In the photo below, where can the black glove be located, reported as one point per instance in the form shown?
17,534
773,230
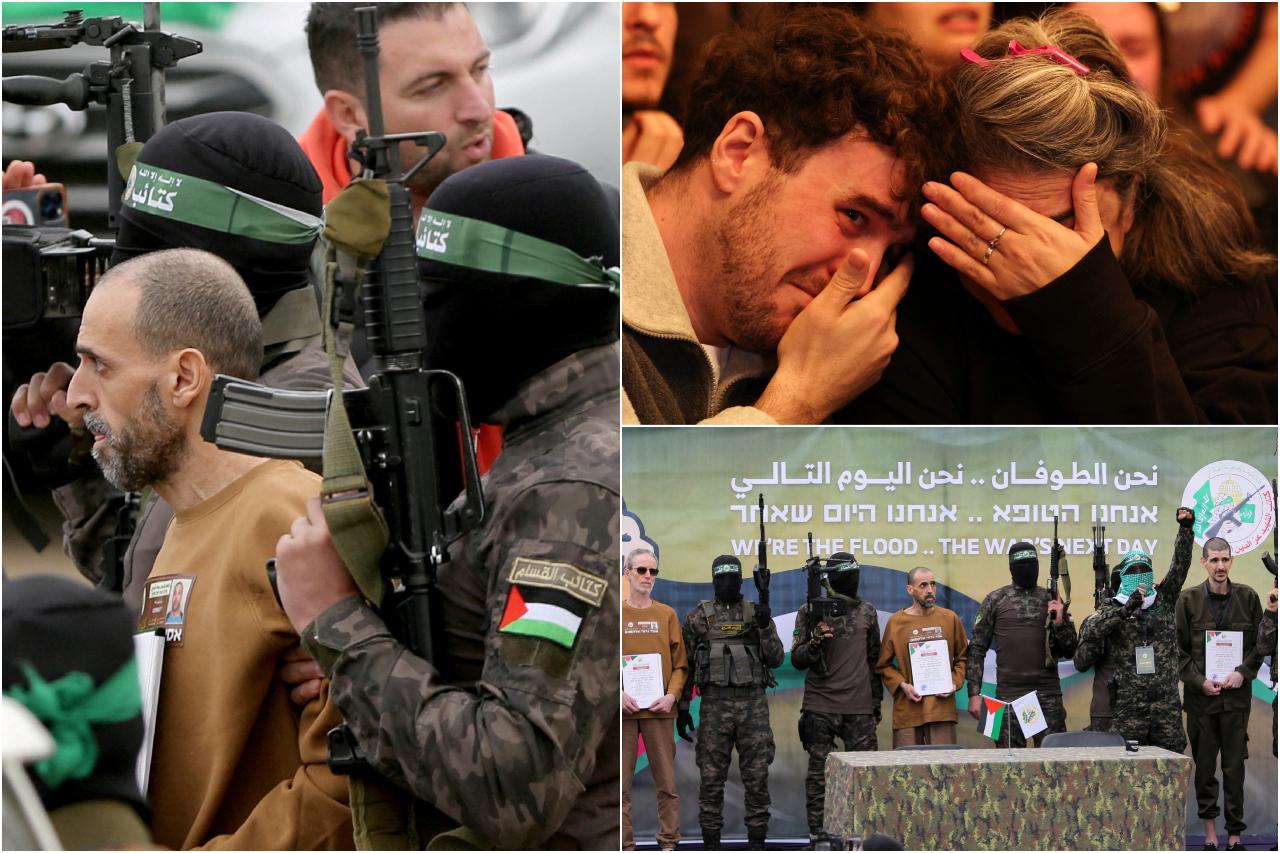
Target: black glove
763,616
684,724
761,578
1135,601
1187,520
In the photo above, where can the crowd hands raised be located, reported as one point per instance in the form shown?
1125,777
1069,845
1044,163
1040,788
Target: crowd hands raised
1075,257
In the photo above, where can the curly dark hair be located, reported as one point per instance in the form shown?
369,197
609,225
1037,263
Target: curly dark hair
813,76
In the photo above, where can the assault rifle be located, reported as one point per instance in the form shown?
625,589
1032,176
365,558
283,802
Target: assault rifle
1057,571
1054,571
761,573
1269,558
1101,574
823,607
406,424
130,84
49,270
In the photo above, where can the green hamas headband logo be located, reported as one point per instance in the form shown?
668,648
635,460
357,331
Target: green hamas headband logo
1024,554
726,569
844,566
474,244
195,201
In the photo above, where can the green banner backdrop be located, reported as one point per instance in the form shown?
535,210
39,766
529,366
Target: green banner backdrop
953,500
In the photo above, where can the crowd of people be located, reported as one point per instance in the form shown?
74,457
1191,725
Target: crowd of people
1144,640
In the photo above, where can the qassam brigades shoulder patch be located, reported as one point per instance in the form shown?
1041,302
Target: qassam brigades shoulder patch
549,600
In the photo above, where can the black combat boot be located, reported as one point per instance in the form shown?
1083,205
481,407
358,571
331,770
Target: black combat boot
710,840
755,840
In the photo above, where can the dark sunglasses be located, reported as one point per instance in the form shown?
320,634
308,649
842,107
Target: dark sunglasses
645,570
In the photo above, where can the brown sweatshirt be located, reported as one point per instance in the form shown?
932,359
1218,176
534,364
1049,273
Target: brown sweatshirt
894,665
236,764
656,630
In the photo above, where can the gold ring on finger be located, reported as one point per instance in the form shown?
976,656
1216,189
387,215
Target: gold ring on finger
991,247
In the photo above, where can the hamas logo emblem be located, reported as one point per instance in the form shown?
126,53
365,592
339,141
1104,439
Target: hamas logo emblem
1029,716
1232,500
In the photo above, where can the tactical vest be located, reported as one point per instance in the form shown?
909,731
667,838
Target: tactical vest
733,658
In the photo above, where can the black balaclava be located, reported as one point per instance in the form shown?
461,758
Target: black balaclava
1024,564
496,330
68,640
726,578
245,152
842,573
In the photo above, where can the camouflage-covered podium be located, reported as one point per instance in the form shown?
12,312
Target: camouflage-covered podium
1090,798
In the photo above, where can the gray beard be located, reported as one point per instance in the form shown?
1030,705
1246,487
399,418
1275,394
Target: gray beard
146,451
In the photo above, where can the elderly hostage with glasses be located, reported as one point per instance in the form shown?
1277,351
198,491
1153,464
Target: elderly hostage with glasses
1090,263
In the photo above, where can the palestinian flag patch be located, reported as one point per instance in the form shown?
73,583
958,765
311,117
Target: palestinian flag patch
541,612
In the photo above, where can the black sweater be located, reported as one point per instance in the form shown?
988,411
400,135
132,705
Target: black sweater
1093,349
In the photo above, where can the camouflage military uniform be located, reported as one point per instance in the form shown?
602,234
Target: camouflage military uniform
1267,646
90,505
1012,619
842,693
1145,708
733,714
1099,701
520,741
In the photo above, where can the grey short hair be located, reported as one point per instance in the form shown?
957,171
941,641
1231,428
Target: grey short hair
191,298
911,575
631,558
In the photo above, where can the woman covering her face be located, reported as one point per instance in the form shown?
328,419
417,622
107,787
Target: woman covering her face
1090,265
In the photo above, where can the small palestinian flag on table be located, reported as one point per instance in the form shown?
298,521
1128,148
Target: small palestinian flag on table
991,722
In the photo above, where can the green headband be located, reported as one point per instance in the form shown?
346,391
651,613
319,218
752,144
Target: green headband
726,569
1024,554
206,204
478,245
843,566
68,706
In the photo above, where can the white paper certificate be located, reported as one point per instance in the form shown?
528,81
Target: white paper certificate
642,678
1223,652
931,667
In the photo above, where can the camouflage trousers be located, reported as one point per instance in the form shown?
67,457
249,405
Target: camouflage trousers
725,724
818,733
1157,722
1054,714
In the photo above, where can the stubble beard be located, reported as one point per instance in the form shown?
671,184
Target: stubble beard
147,449
449,161
748,264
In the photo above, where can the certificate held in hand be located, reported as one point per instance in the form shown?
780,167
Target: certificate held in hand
930,667
1223,652
642,678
